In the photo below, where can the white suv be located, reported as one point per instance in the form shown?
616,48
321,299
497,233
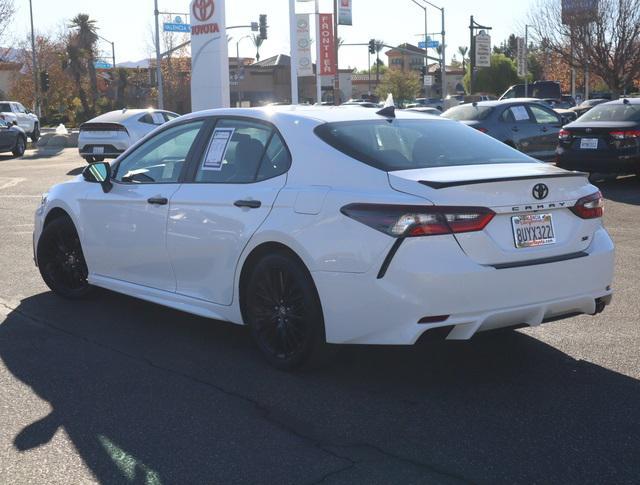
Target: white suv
14,112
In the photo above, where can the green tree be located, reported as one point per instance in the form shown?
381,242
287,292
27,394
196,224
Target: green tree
495,79
257,42
77,68
508,47
86,39
462,50
403,85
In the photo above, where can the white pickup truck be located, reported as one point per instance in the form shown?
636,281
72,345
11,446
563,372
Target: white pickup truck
14,112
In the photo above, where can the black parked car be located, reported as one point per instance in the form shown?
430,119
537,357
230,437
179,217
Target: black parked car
12,139
586,105
606,139
526,124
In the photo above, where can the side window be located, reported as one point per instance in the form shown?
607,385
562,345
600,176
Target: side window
276,159
161,158
152,119
515,114
20,108
234,152
169,116
544,116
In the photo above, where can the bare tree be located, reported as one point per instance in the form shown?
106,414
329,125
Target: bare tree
7,9
609,44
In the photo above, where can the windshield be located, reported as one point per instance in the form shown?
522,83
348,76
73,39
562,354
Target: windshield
468,113
410,144
613,112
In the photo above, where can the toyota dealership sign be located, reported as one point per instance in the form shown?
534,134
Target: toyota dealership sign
209,55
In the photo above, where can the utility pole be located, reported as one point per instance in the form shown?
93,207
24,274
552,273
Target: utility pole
36,106
443,77
336,78
158,60
526,60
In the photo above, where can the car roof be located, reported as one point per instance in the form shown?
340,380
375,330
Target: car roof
327,114
503,102
633,101
122,114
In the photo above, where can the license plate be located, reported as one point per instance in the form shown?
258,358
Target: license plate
589,143
98,150
531,230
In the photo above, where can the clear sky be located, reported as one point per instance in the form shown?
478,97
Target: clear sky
129,22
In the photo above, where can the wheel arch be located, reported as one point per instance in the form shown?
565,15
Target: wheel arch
56,213
259,251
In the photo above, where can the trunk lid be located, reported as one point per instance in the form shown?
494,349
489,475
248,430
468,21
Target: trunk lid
507,189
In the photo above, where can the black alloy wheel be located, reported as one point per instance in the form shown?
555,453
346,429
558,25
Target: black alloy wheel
283,312
90,159
61,261
20,147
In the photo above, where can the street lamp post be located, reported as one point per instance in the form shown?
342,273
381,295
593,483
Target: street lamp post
158,59
36,103
238,71
443,68
426,42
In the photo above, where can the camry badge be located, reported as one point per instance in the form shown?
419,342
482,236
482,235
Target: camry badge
540,191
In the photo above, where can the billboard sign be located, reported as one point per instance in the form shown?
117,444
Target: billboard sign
327,62
303,45
344,12
521,57
483,50
209,55
578,12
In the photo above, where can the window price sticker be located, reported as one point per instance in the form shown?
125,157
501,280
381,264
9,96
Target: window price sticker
217,148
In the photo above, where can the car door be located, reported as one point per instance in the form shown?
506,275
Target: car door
548,123
124,234
520,128
7,137
230,193
24,121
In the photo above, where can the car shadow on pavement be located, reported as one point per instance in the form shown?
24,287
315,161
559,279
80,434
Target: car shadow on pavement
624,189
152,395
46,152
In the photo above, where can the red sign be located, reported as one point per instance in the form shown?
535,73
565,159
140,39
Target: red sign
327,63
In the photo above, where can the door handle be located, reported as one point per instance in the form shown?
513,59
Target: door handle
158,200
251,204
515,128
544,129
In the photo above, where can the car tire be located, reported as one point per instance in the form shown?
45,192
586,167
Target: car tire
20,146
90,159
35,135
98,159
284,314
61,260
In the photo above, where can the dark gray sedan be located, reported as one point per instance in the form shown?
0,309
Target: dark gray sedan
12,139
525,124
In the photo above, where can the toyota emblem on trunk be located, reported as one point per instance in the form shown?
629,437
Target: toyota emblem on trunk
540,191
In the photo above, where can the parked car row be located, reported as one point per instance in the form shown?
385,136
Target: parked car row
605,139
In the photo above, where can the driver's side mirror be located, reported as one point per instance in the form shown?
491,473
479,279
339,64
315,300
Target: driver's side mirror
99,173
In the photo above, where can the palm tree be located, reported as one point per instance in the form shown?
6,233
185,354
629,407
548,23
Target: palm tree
257,42
463,52
379,45
77,69
87,38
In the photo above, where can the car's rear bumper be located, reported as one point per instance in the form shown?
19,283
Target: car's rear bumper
436,279
605,162
108,151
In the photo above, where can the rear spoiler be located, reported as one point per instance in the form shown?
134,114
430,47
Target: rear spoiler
456,183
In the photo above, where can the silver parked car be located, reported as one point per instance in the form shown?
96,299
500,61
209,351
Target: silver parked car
110,134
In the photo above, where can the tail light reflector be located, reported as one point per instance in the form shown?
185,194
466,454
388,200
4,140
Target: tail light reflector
564,135
625,135
413,221
589,207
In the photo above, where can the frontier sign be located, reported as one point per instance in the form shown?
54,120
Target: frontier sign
209,55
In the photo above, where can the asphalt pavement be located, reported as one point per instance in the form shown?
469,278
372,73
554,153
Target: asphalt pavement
117,390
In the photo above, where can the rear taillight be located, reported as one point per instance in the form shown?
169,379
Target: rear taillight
564,135
625,135
414,221
481,129
589,207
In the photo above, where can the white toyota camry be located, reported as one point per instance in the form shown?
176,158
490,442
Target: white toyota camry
315,224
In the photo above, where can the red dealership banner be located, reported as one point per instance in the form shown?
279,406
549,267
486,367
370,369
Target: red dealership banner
327,62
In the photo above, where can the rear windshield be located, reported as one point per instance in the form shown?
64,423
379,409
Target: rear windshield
468,113
410,144
613,112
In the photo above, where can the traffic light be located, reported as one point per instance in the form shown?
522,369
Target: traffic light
44,81
438,76
372,46
263,26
